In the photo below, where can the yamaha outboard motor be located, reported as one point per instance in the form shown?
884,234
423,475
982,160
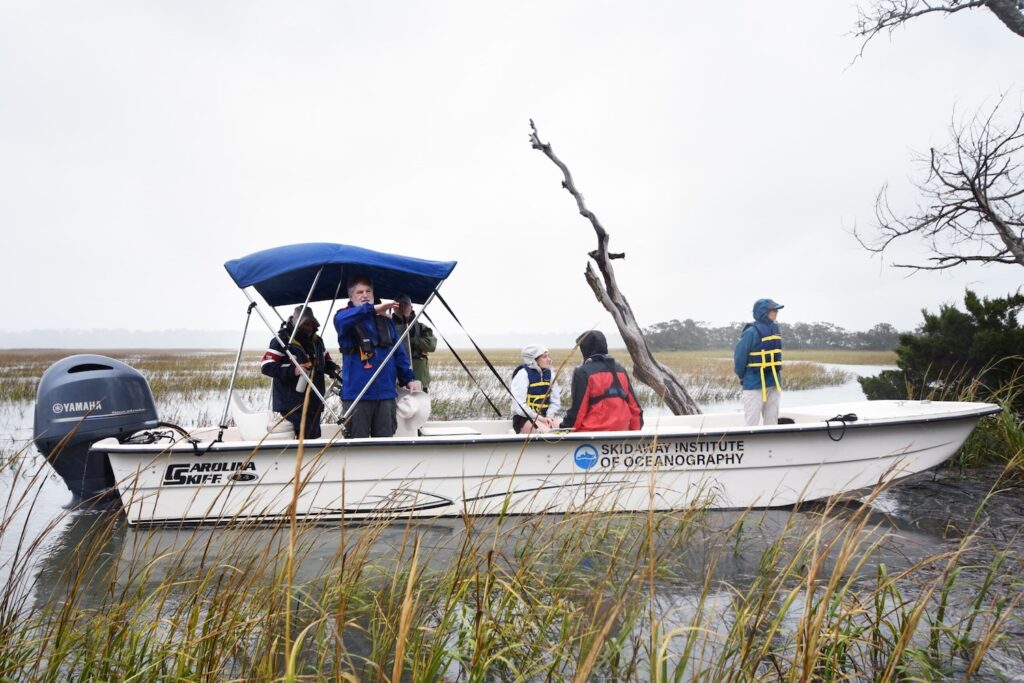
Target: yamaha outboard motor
81,400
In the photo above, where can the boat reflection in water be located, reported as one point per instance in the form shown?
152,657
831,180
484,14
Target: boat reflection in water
99,555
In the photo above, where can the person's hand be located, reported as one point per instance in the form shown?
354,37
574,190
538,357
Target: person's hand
307,365
414,386
386,308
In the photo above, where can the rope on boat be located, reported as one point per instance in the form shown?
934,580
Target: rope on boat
152,436
843,419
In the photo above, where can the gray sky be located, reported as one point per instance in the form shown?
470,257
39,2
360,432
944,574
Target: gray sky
729,149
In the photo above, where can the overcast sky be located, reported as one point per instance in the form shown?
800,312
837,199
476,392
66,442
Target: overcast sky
728,148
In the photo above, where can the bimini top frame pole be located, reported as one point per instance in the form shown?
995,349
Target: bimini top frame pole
234,372
292,358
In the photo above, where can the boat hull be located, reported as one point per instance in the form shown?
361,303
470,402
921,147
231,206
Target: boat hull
701,461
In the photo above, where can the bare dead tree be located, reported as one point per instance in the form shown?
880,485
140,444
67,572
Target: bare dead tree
973,198
645,366
887,15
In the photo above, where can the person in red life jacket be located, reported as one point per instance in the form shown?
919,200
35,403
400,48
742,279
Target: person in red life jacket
366,334
536,396
602,396
758,363
289,388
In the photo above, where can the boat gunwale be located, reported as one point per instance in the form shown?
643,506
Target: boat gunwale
182,447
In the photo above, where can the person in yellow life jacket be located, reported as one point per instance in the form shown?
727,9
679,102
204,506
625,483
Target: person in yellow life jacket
757,361
536,395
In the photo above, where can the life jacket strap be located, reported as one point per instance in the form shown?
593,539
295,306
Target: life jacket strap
768,359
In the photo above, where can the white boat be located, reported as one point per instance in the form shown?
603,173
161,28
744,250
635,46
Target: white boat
97,424
481,468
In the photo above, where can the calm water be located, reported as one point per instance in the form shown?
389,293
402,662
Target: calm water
924,517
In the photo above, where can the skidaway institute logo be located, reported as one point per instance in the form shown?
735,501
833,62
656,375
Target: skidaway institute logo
585,456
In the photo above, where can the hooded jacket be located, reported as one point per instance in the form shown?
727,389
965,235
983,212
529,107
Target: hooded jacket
602,395
355,371
419,343
754,338
276,364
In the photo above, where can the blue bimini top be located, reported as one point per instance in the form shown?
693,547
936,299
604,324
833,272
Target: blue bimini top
284,275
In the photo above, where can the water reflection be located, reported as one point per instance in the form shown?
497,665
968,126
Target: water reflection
694,548
907,523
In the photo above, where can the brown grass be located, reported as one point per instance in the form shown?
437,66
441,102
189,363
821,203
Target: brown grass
193,374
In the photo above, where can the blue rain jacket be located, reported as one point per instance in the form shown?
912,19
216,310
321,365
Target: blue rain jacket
356,372
750,341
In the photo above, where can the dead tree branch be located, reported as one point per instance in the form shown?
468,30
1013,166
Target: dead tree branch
645,366
973,198
885,16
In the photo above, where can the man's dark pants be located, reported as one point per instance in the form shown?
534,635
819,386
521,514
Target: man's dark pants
371,418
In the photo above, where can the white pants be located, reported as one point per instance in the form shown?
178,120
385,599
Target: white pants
754,409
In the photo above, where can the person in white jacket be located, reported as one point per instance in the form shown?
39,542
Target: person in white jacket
537,397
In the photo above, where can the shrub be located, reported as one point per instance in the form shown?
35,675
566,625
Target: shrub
954,349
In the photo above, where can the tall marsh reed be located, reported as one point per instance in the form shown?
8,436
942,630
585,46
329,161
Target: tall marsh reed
776,595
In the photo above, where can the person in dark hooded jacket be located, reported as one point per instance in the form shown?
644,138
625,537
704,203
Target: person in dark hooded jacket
757,360
602,395
289,389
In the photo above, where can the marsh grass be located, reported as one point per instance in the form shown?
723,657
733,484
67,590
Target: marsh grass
189,374
576,597
708,376
194,375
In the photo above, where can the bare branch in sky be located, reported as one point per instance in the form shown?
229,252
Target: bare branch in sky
645,366
971,207
885,16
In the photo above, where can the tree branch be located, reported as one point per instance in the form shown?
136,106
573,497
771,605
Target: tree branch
646,367
1010,12
971,201
886,16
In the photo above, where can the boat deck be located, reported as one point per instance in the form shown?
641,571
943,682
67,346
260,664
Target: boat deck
793,419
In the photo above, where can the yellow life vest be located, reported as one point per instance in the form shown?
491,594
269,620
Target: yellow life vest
768,356
538,392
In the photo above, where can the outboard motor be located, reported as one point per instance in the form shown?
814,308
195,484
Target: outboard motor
81,400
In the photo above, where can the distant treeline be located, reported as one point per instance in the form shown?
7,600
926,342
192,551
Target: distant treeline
684,335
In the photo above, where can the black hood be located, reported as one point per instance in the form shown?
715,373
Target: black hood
302,335
593,343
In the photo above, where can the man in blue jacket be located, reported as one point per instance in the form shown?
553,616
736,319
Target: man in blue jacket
366,335
758,363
